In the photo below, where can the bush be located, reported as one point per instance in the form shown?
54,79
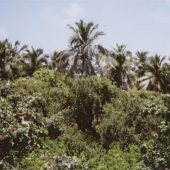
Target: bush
132,117
52,87
113,128
116,159
64,163
89,97
21,123
157,155
54,127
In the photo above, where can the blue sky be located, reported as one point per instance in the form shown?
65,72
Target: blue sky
139,24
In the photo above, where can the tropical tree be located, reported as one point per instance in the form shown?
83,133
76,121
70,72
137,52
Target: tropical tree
59,61
4,58
155,77
142,57
33,60
84,35
120,68
166,73
101,57
10,59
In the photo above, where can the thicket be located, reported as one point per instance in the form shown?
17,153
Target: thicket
50,121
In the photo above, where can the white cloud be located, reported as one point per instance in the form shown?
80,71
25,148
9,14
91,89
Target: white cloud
73,10
54,17
3,33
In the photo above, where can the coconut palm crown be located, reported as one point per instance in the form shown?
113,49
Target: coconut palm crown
84,35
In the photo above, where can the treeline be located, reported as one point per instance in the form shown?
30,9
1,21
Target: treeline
83,108
84,58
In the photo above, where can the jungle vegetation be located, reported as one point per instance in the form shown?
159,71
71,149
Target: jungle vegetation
83,108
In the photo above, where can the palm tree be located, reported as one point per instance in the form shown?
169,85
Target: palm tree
4,58
140,60
84,35
142,57
33,60
155,78
101,56
59,61
10,66
120,67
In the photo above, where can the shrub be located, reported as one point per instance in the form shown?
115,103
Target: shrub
64,163
131,117
157,155
90,95
21,123
54,126
116,159
52,87
113,128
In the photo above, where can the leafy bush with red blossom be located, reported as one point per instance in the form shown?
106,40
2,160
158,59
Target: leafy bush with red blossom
21,121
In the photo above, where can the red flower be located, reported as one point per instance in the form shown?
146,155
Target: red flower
25,116
17,113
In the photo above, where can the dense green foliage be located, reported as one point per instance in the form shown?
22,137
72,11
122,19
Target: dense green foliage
72,111
81,124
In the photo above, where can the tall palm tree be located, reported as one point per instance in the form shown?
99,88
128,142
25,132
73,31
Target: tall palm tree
155,78
10,59
84,35
120,67
33,60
